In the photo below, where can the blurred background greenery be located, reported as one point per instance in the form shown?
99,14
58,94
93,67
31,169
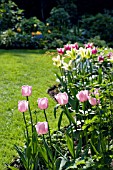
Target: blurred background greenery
47,24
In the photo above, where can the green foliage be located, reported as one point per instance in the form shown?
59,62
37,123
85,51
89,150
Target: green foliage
30,25
10,14
70,7
93,134
58,28
98,25
12,40
7,38
55,19
97,41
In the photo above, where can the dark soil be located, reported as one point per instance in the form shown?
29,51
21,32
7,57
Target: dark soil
54,90
15,163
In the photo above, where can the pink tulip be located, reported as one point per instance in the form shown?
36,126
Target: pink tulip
82,95
67,47
60,50
94,50
96,92
100,58
93,101
23,106
42,103
41,128
62,98
26,90
110,55
75,46
89,45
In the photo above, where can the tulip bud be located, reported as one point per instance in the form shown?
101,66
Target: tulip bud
110,55
67,47
89,45
41,128
100,59
42,103
82,96
94,50
93,101
26,90
60,50
62,98
23,106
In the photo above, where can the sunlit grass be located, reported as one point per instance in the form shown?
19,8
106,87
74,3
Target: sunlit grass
17,68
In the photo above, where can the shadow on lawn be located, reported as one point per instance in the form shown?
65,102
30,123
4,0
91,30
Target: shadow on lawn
2,51
23,53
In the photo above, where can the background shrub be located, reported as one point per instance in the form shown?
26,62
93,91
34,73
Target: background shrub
98,25
30,25
12,40
10,14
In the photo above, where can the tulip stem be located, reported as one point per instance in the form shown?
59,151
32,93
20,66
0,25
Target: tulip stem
46,148
30,114
66,112
48,125
25,125
72,138
31,122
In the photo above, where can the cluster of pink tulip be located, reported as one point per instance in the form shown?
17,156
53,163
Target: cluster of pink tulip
62,99
67,47
85,95
41,127
89,46
75,46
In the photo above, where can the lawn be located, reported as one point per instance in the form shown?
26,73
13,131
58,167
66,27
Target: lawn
17,68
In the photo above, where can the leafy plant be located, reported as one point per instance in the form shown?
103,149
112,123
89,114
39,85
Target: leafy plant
98,25
85,98
85,78
30,25
61,23
7,38
10,14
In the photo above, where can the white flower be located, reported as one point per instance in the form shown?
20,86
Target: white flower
67,66
57,61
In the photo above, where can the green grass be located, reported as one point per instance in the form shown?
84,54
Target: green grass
17,68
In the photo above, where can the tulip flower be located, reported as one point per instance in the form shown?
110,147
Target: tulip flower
26,90
82,96
57,61
100,58
75,46
23,106
88,53
67,66
89,45
110,54
67,47
42,103
62,98
111,163
96,92
41,128
60,50
93,101
94,50
84,53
